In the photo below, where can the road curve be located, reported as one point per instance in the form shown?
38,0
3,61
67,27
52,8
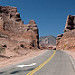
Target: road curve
51,63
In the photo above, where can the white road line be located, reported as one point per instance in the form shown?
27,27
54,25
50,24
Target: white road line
21,66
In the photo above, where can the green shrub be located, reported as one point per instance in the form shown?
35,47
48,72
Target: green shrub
2,50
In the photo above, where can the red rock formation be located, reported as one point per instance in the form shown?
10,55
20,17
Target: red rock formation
70,23
13,32
66,41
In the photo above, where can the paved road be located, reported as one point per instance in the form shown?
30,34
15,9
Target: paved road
60,64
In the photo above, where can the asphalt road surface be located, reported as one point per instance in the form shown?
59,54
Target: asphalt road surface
49,63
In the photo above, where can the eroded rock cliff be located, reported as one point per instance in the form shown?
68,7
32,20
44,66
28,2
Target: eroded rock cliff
66,41
13,32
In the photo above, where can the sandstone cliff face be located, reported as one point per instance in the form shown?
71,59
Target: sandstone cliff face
13,32
66,41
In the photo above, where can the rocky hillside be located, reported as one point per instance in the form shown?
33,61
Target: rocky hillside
47,41
66,41
13,33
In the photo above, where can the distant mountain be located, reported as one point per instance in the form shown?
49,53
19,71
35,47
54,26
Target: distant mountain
47,41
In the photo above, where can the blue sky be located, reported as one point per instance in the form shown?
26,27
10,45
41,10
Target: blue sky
50,15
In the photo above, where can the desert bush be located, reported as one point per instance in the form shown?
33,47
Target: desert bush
2,50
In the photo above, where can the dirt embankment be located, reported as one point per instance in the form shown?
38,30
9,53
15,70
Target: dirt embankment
15,59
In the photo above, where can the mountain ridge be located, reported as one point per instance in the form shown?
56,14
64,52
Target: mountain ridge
47,41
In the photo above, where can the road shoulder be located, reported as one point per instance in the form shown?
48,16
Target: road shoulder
71,58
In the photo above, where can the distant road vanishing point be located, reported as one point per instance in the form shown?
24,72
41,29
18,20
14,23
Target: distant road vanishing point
50,62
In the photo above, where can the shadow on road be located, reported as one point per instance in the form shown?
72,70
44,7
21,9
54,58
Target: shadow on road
18,71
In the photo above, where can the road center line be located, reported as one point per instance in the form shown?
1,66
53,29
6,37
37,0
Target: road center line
39,67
